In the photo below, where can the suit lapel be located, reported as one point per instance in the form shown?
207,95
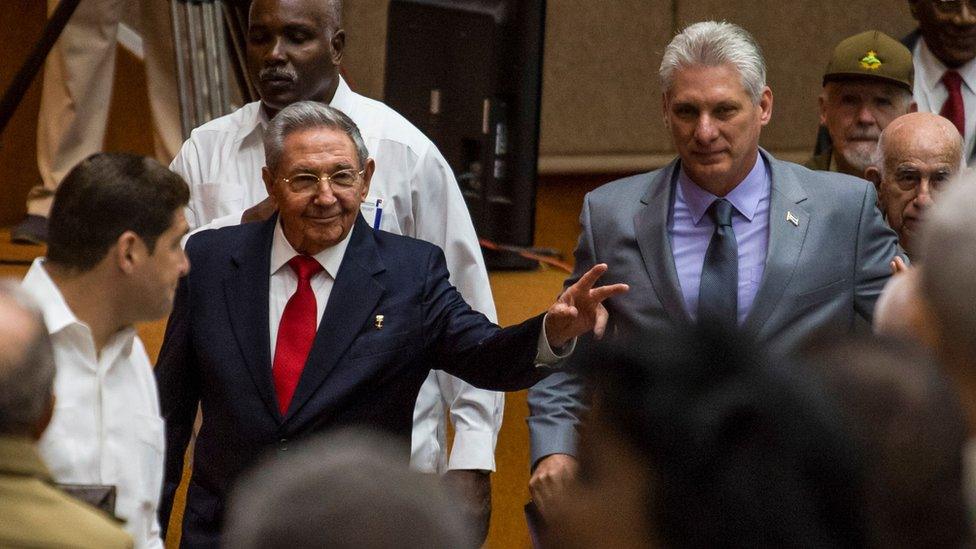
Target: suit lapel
651,231
354,296
246,294
788,222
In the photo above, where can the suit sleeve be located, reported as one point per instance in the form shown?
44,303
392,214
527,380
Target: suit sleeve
466,344
877,246
442,218
179,394
556,402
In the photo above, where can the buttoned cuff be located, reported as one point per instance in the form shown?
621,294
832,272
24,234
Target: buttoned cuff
473,450
546,355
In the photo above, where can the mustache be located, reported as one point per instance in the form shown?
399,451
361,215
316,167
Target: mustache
276,73
863,135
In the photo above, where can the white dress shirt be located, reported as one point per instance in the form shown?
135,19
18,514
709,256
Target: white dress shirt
222,162
106,427
930,93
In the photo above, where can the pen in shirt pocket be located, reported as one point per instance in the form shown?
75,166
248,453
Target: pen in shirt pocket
378,214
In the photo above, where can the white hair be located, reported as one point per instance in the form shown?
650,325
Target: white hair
712,44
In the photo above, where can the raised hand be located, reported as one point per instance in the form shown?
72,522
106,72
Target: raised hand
579,308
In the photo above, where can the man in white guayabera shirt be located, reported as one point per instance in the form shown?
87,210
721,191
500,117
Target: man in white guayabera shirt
294,48
114,258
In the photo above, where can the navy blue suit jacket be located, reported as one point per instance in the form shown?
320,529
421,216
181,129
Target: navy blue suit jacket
216,353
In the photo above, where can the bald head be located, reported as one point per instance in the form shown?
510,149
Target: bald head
26,366
917,154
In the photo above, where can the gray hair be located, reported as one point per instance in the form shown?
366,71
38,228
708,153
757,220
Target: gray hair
351,489
712,44
307,115
26,364
948,248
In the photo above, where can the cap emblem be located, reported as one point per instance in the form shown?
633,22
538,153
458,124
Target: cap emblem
870,61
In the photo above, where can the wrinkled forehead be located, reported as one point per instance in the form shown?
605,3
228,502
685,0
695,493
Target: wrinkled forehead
315,13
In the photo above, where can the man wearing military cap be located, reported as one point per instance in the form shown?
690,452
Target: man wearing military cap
867,84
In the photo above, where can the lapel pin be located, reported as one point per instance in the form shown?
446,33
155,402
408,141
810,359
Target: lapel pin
378,322
792,218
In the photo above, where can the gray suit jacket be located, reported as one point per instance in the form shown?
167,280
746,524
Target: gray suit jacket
821,273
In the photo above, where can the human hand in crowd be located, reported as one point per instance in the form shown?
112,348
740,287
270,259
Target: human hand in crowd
580,309
259,212
550,481
473,488
898,265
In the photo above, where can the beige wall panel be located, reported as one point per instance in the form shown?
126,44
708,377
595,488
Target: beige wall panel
797,38
364,60
600,91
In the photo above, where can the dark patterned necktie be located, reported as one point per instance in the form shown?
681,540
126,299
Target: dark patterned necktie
718,294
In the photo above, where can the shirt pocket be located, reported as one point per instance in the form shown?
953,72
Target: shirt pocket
147,442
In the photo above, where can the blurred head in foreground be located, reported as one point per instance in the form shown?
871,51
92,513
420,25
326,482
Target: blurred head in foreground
345,490
693,438
904,416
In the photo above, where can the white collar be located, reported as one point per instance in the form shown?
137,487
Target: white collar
341,100
330,258
57,313
930,69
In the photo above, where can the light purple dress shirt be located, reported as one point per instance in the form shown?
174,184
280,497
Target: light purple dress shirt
690,231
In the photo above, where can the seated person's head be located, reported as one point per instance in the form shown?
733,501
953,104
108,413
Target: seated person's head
947,278
867,84
343,491
121,216
26,366
906,419
916,157
693,440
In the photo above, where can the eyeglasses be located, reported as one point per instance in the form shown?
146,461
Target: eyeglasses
307,183
952,7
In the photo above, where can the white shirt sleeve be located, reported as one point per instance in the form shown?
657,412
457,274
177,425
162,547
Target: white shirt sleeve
442,217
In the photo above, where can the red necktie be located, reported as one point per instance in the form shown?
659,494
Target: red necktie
296,332
953,108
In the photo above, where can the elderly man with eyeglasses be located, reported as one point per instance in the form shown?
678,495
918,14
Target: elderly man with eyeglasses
311,321
944,54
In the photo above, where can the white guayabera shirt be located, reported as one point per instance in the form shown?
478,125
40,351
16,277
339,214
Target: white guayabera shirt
106,427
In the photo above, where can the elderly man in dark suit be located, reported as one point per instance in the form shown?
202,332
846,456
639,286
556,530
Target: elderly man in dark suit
724,233
311,321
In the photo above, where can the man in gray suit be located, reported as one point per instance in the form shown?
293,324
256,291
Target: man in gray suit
724,232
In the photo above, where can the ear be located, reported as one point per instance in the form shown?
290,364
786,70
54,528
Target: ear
766,106
913,7
664,110
873,174
367,177
822,106
269,181
338,44
128,251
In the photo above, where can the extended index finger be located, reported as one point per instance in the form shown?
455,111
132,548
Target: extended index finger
586,282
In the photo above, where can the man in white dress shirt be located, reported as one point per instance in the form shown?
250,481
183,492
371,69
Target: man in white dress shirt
294,49
944,55
114,258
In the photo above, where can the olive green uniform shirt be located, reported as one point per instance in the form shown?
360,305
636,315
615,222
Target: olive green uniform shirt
33,513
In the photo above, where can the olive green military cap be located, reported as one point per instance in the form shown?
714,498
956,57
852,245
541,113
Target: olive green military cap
871,54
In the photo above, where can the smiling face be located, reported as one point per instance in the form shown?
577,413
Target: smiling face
715,125
922,151
318,219
293,51
855,112
949,28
